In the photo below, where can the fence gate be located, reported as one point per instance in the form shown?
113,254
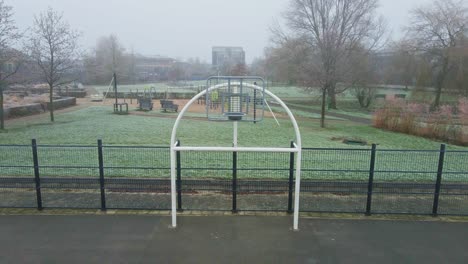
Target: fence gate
225,181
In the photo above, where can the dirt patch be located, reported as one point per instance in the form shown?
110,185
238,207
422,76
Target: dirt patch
14,100
196,107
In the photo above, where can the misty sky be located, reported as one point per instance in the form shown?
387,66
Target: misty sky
183,28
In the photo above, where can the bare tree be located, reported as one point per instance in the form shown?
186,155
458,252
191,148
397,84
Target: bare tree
239,69
333,29
435,29
132,67
110,55
176,72
53,45
107,58
362,75
403,64
9,58
258,67
287,61
459,76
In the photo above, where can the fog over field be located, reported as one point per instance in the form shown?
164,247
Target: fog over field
182,29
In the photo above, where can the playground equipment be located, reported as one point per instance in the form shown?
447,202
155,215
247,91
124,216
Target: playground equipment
240,99
146,100
168,105
235,101
119,108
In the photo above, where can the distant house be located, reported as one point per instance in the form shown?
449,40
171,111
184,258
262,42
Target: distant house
153,68
14,61
10,62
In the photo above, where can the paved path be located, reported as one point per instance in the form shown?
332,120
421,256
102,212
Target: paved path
226,239
360,120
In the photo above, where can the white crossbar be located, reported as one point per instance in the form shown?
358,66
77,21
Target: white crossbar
236,149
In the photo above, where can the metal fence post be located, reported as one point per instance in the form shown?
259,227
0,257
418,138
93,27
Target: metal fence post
234,182
291,180
255,107
370,184
101,176
179,180
37,179
435,206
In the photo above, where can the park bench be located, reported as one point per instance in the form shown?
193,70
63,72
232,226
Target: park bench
168,105
146,104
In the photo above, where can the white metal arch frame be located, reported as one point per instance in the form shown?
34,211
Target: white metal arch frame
174,148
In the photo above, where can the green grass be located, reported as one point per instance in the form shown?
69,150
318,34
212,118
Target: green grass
159,87
349,109
285,92
85,126
300,113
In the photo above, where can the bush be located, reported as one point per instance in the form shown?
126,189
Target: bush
446,123
462,110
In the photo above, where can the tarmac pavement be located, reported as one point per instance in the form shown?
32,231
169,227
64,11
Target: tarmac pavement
227,239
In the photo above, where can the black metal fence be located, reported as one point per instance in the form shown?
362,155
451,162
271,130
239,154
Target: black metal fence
362,180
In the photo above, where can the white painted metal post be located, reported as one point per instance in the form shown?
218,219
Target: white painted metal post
174,148
234,140
238,108
297,190
173,187
299,157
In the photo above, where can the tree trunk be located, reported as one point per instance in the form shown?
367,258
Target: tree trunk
440,84
51,103
360,96
324,101
332,97
437,96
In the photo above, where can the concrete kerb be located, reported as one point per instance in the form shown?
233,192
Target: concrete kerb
331,216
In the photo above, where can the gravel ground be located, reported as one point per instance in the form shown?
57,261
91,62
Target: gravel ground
210,200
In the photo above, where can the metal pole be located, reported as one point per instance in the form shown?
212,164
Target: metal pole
291,180
255,106
37,179
173,188
370,184
238,149
298,186
101,176
115,87
234,169
271,111
435,206
234,182
179,180
235,129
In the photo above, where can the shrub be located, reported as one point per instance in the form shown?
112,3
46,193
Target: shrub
462,110
416,118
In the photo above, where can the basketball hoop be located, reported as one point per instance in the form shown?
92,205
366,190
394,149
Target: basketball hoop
235,98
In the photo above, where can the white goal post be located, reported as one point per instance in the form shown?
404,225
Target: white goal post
174,148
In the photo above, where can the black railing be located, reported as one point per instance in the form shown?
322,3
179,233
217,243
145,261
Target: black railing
362,180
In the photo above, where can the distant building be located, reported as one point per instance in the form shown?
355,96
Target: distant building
222,56
153,68
18,67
